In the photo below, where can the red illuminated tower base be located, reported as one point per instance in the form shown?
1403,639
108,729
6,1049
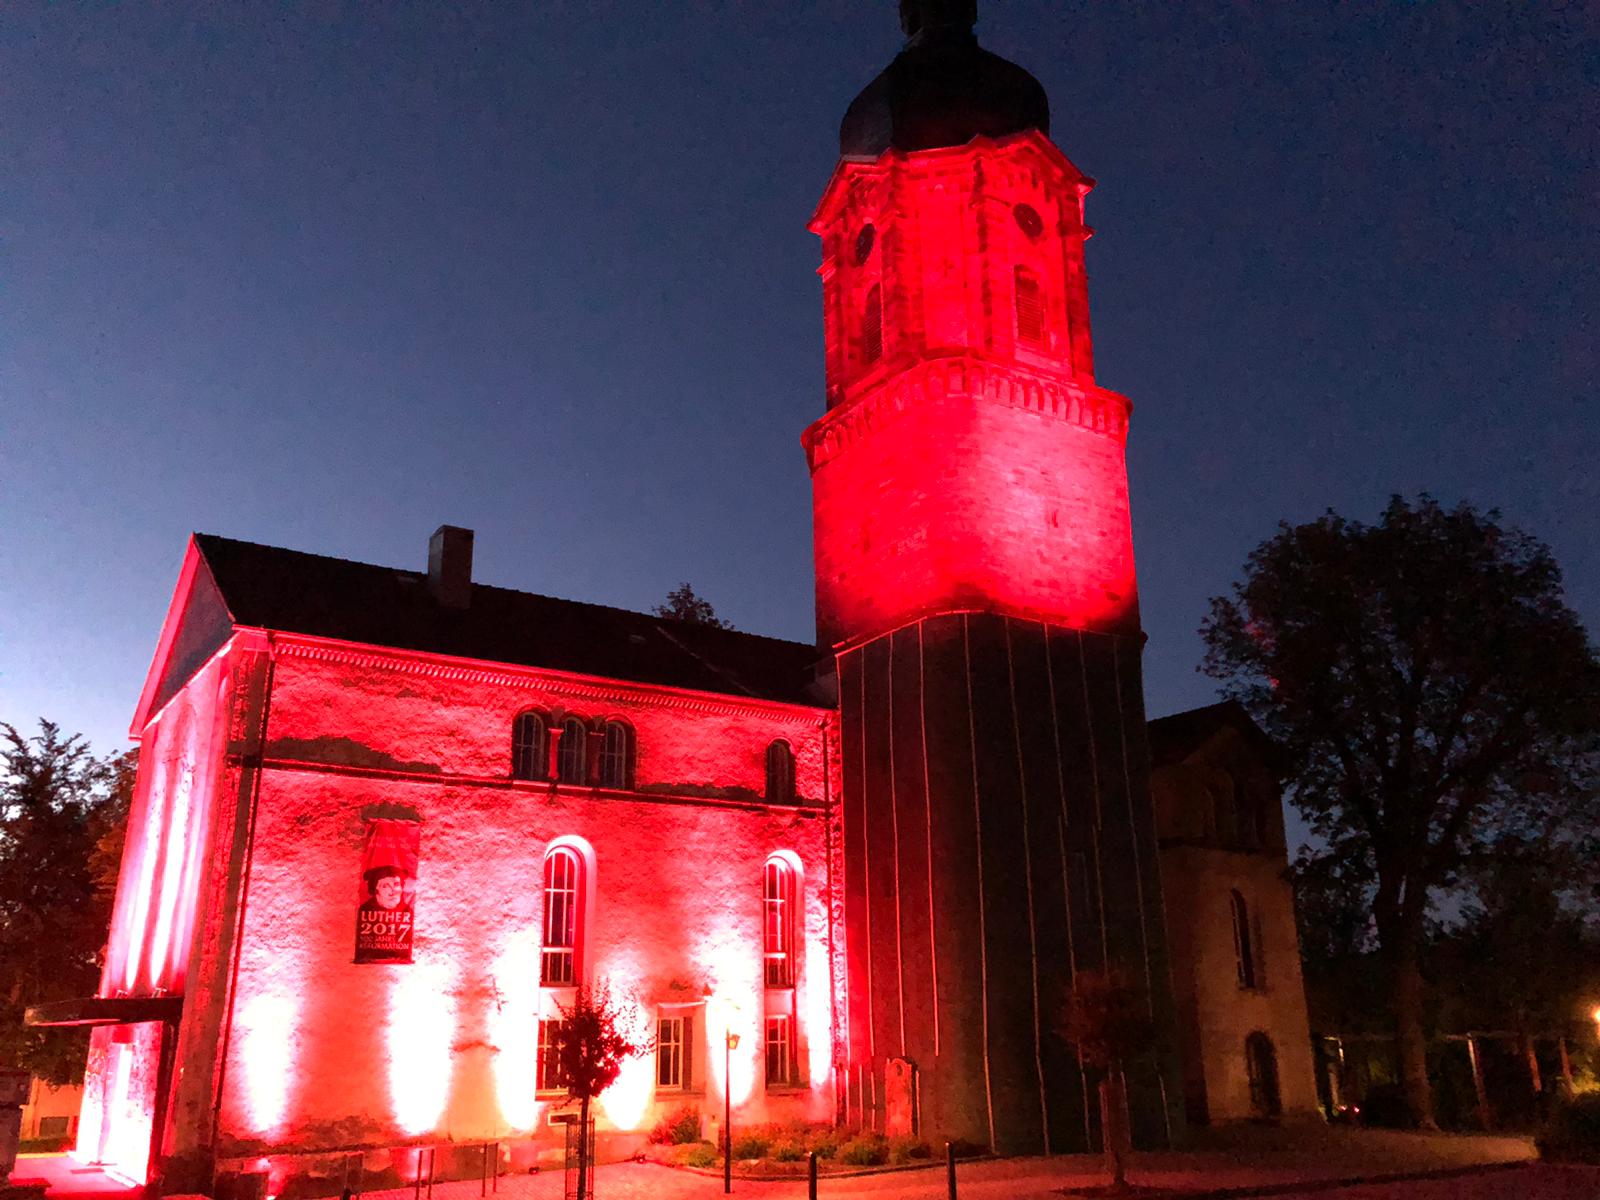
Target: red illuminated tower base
975,578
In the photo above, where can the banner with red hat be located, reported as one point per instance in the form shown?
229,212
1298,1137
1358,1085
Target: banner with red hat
388,891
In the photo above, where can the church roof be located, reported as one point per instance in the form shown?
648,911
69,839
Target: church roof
267,587
1174,738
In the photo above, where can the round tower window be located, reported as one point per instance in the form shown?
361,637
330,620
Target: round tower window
1028,220
864,241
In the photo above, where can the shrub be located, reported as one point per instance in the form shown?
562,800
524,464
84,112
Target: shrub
1572,1131
753,1143
865,1150
678,1128
789,1150
905,1148
824,1142
700,1154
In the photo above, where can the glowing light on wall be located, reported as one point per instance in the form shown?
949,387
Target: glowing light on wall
173,856
265,1029
149,840
513,1028
421,1027
127,1147
91,1113
725,1015
626,1100
818,1014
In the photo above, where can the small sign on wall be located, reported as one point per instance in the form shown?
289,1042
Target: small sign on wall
388,891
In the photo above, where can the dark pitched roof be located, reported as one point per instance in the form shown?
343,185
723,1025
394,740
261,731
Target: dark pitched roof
286,590
1174,738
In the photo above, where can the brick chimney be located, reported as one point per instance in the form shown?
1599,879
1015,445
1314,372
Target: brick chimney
450,566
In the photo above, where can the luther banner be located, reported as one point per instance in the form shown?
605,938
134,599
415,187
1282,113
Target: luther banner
388,891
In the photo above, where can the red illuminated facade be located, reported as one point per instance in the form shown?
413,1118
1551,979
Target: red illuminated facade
387,821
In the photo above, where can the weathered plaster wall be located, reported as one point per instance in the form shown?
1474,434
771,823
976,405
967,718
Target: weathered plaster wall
328,1053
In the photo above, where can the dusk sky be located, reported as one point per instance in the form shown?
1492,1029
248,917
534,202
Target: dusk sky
327,276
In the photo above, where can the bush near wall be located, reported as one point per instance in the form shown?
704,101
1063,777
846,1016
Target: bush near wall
1572,1131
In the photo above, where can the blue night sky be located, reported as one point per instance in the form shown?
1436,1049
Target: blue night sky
329,275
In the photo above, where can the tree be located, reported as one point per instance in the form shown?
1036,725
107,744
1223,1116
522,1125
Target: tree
57,803
599,1033
1107,1020
683,605
1434,696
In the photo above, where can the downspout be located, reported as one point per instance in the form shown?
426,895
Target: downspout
255,761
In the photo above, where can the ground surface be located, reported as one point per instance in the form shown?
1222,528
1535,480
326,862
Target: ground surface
1290,1162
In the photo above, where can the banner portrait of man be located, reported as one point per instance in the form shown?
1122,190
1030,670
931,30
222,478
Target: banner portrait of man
387,891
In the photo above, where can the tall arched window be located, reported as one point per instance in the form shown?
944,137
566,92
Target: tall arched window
563,917
1243,943
1030,308
616,756
570,752
530,747
780,773
872,326
778,915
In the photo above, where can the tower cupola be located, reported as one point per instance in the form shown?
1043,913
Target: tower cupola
943,89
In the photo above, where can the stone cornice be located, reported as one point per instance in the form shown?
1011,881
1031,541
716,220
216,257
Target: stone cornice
1089,407
541,789
540,680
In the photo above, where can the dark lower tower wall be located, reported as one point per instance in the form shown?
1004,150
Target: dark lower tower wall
998,836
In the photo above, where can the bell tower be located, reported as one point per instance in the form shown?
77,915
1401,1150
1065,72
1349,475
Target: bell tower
975,581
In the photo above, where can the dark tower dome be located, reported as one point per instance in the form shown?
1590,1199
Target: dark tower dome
943,89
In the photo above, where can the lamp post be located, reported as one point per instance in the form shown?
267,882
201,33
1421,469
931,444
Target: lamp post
729,1045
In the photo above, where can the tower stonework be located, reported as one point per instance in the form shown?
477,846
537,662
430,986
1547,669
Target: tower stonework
975,581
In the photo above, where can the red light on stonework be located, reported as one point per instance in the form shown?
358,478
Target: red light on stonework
266,1029
973,465
420,1029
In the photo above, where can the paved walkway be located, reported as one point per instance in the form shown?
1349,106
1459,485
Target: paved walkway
1303,1162
68,1177
1225,1160
1027,1180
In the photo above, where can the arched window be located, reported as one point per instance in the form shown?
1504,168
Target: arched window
570,750
616,756
777,903
872,326
780,773
563,917
1243,944
1030,308
530,747
1261,1062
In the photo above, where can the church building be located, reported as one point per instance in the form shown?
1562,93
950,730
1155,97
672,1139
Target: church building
388,822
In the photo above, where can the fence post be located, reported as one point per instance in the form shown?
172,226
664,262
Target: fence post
811,1175
950,1168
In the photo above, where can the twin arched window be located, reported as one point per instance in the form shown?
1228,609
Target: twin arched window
1030,308
530,747
530,751
563,917
872,326
616,755
780,773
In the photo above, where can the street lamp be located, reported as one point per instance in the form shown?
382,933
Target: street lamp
729,1045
